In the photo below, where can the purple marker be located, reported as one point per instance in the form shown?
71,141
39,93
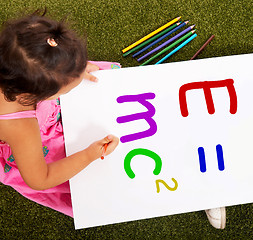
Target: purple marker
166,43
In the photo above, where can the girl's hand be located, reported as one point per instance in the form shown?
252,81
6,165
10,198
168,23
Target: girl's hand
90,68
95,150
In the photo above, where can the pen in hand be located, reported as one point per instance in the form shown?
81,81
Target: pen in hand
104,150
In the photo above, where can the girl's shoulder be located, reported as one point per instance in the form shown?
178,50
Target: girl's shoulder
13,116
15,130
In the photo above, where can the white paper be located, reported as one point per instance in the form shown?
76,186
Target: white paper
103,193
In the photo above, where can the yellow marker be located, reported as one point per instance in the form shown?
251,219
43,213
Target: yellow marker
151,34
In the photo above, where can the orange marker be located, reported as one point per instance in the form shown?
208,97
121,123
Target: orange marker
104,150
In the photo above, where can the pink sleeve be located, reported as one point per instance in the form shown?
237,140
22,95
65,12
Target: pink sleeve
106,65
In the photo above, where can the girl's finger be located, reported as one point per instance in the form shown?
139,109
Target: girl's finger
90,77
108,139
111,140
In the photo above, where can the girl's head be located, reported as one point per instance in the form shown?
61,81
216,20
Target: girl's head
38,57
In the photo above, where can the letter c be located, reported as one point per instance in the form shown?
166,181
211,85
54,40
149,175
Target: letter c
142,151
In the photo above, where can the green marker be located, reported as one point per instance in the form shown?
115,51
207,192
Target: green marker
151,39
169,47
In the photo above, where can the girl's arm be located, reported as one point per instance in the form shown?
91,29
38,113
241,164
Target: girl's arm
23,135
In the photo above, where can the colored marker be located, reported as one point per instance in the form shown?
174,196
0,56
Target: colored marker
151,34
167,42
151,39
160,39
169,47
177,48
104,150
205,44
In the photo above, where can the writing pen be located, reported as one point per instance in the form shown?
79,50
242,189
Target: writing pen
104,150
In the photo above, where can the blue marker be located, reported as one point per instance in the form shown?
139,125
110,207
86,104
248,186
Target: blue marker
177,48
160,39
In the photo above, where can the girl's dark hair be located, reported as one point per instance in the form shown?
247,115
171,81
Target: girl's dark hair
30,66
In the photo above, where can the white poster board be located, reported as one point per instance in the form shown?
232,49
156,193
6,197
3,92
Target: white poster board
208,153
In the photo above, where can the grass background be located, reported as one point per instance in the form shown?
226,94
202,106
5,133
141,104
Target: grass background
111,26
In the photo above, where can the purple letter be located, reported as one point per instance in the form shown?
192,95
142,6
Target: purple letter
142,99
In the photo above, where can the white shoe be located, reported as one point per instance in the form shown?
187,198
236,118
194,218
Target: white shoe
217,217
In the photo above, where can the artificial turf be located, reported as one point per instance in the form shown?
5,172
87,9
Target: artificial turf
111,26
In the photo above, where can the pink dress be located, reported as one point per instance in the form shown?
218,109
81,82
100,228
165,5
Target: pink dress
48,114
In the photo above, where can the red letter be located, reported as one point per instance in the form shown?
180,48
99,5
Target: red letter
207,85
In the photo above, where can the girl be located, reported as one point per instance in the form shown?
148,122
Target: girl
41,59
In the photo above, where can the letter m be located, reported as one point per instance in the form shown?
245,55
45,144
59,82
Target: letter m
206,86
142,99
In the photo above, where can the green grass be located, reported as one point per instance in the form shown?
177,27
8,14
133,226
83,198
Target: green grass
110,27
